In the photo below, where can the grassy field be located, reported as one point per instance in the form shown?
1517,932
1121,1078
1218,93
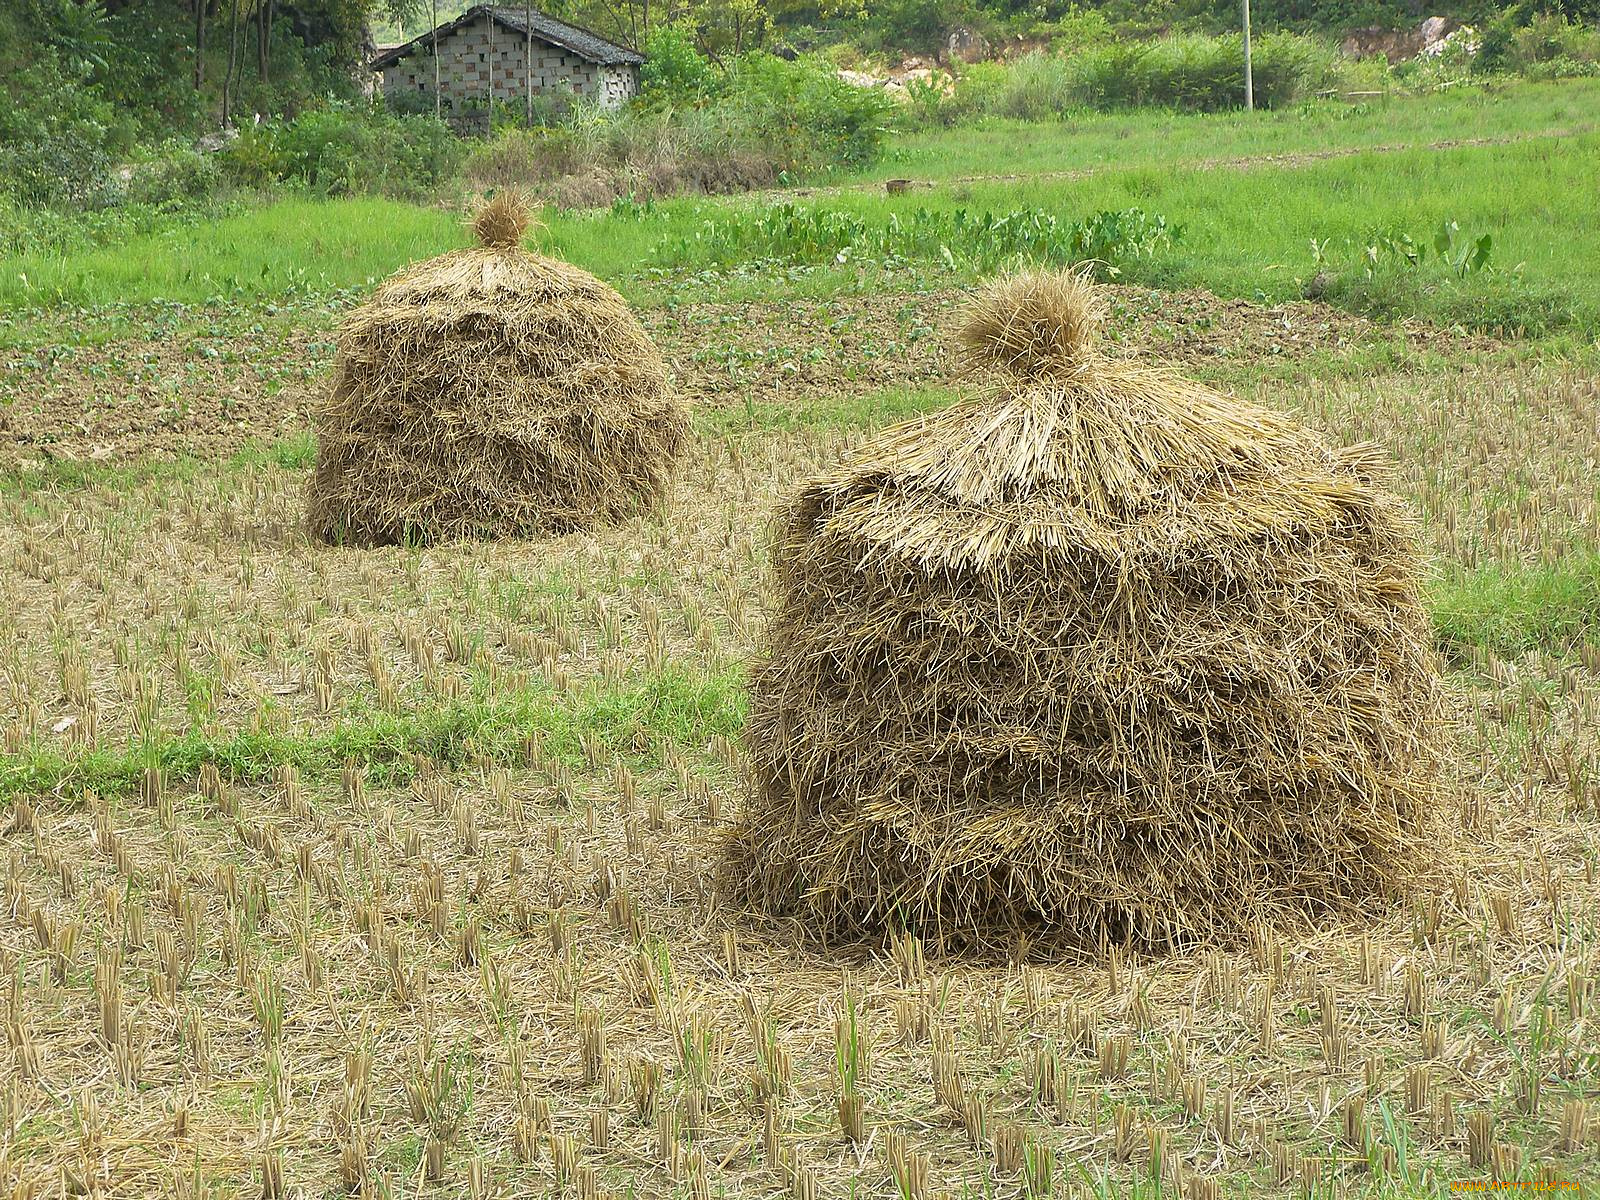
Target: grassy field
389,872
1252,195
1099,141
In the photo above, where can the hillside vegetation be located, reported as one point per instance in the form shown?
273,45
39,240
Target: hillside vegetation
108,100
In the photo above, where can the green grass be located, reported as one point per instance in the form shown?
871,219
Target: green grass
670,707
1246,234
1153,138
295,453
1249,234
1512,609
281,249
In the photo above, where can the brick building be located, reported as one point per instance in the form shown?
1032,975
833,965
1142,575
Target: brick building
487,51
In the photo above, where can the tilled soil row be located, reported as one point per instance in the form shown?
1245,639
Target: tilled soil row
205,394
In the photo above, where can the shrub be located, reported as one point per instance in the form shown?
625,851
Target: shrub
1544,45
172,176
1078,28
1551,46
675,73
913,25
806,114
57,141
346,149
1192,72
1034,87
254,157
596,156
1187,72
58,136
768,117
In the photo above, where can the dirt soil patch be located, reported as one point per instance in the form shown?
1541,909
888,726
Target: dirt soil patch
201,394
790,350
206,394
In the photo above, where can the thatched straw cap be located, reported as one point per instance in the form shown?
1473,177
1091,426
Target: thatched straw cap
1096,652
1061,450
502,222
491,392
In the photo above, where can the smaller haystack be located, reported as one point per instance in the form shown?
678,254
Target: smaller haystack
1096,653
491,392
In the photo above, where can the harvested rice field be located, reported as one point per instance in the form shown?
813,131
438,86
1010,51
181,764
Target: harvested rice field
394,871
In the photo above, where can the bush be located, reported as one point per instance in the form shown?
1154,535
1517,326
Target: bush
58,137
1035,87
57,141
1207,74
596,156
917,26
769,116
348,149
1550,46
675,73
1189,72
1543,45
807,116
1077,28
172,176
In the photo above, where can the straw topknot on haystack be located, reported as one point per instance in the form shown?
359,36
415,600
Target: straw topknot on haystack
1096,653
491,392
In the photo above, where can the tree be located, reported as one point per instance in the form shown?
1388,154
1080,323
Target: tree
263,37
233,62
199,44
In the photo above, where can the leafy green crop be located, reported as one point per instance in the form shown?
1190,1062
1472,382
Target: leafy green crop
1460,255
789,233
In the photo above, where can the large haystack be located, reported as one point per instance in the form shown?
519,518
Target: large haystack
491,392
1096,653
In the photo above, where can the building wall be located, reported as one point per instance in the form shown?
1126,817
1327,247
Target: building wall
620,83
471,62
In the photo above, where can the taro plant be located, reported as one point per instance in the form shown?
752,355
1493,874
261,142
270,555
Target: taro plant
1458,253
1461,254
789,233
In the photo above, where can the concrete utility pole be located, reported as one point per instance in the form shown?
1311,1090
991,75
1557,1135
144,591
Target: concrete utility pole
492,24
527,57
1249,75
436,104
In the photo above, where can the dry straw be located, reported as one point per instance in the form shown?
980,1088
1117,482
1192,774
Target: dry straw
491,392
1096,653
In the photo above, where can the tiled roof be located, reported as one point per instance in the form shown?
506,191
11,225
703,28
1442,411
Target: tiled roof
582,42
